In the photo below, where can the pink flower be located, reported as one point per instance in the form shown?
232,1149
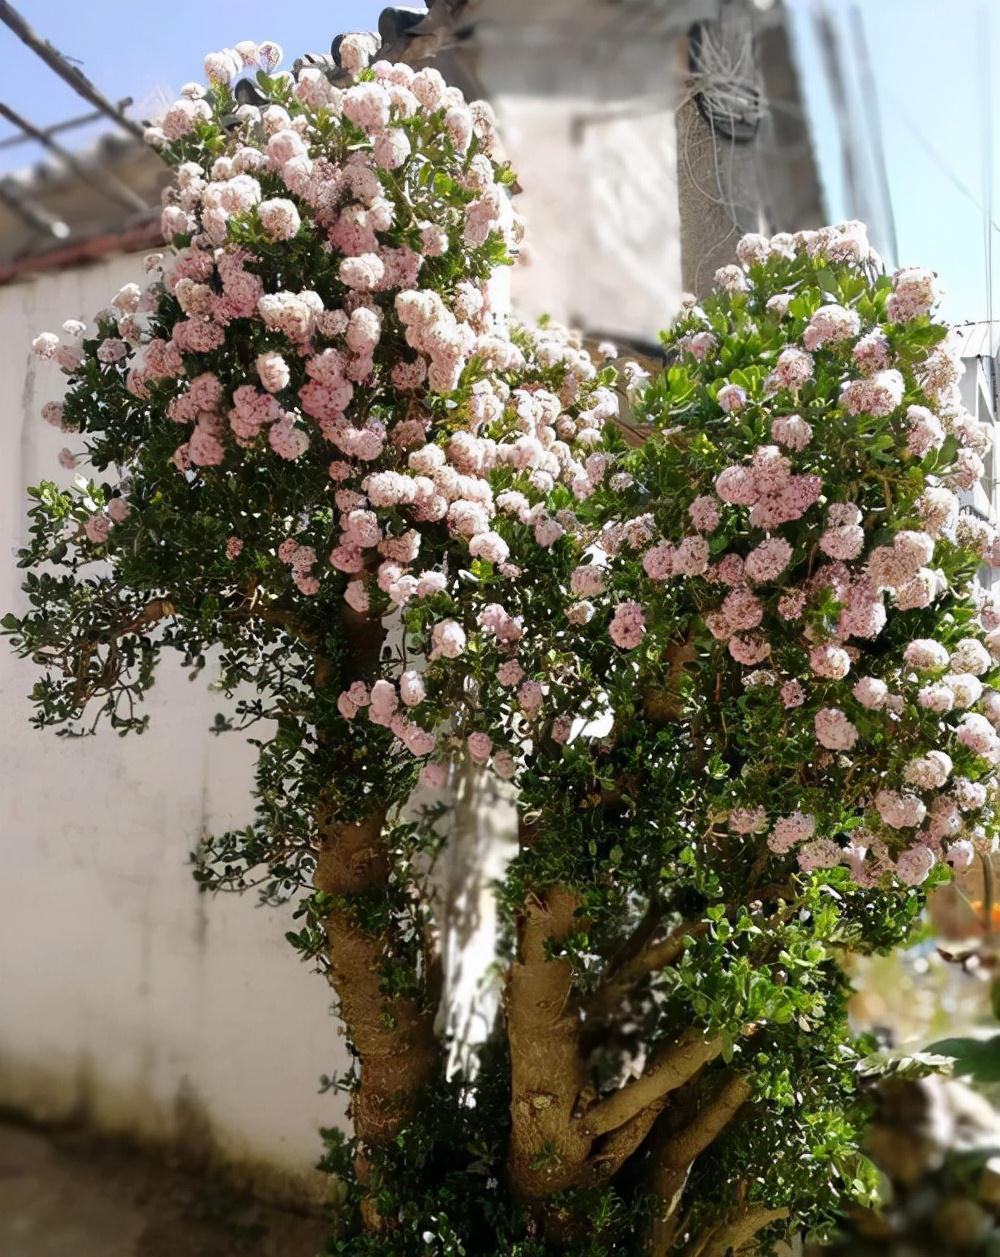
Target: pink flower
367,106
391,148
871,353
411,688
45,345
731,279
741,610
273,371
925,655
490,547
915,292
916,862
704,513
736,486
829,661
792,432
111,350
628,625
830,325
871,692
286,440
280,218
792,694
480,745
548,531
529,696
844,542
356,596
899,811
767,561
504,765
877,396
821,853
793,368
699,344
52,413
434,776
587,581
561,729
510,673
691,557
749,650
658,562
362,273
731,398
925,431
834,730
976,733
448,640
97,528
789,831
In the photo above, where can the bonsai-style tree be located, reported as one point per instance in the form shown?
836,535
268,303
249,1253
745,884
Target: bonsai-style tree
729,654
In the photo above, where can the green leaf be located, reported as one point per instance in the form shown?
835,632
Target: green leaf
911,1066
974,1058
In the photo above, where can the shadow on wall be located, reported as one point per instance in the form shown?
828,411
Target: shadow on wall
125,997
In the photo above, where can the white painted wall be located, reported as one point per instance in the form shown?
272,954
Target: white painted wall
125,997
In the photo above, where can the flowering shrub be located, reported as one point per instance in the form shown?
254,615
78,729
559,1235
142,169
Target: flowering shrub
787,559
736,670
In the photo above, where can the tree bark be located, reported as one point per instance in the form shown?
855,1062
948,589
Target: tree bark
548,1071
393,1037
678,1153
735,1236
397,1051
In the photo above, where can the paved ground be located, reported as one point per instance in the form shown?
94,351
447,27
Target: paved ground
67,1195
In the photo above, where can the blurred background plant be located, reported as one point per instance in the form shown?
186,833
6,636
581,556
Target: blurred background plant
936,1139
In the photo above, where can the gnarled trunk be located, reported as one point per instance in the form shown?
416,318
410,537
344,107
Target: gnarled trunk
393,1036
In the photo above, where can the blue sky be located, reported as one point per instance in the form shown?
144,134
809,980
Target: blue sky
933,62
152,58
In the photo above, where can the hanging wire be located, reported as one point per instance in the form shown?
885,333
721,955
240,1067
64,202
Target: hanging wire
986,111
902,116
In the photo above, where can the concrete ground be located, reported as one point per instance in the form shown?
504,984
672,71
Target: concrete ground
68,1195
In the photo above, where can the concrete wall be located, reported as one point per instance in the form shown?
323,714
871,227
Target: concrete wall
125,997
585,94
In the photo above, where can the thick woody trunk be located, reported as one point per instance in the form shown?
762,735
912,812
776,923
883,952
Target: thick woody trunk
548,1073
393,1036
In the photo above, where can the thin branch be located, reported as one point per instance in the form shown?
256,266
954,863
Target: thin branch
154,611
733,1236
619,982
617,985
638,939
669,1069
678,1154
621,1144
